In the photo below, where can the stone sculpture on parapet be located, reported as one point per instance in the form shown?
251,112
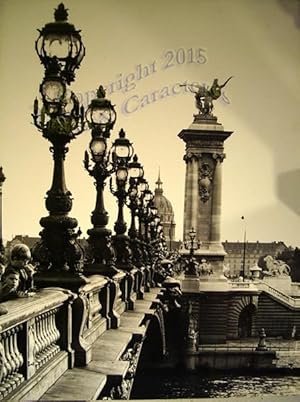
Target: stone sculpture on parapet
274,267
205,96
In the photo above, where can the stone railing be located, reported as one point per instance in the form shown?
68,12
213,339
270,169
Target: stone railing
32,336
240,285
290,301
44,335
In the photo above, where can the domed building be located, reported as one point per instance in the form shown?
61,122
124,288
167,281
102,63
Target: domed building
166,214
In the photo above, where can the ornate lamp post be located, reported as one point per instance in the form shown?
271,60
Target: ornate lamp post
244,250
122,152
143,189
101,117
136,173
123,168
192,244
60,119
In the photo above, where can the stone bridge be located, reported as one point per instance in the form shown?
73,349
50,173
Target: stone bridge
60,344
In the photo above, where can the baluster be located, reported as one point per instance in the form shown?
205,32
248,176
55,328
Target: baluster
9,366
33,335
36,337
52,346
47,332
51,326
51,335
56,333
14,365
4,371
44,339
18,355
38,341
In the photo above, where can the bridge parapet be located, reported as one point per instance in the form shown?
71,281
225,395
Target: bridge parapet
290,301
35,339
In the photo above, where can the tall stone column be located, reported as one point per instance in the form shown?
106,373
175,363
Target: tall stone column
217,199
204,155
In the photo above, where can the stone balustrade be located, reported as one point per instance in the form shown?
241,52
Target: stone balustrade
290,301
32,336
54,330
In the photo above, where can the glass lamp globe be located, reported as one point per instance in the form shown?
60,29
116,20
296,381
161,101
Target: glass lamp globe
122,148
136,170
133,193
101,114
192,234
122,174
60,41
53,90
98,148
143,185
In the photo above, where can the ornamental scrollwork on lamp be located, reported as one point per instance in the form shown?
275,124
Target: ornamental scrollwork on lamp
206,173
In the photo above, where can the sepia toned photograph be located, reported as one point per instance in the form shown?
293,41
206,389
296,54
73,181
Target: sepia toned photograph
149,201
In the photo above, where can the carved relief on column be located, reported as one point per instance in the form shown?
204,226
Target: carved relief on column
207,167
206,175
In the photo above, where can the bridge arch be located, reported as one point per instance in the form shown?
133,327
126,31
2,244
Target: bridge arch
241,312
154,345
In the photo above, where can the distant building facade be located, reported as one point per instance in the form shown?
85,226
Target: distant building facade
253,251
30,242
166,214
18,239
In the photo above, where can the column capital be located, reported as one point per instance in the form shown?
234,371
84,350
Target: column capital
219,156
189,156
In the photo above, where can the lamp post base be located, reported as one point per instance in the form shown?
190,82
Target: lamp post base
65,280
101,269
121,244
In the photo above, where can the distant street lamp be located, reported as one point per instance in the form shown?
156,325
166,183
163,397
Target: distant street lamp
244,249
192,244
136,173
60,120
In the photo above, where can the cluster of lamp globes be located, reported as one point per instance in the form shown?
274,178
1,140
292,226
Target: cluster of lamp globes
61,118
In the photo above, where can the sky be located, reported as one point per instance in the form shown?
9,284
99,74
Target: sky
137,48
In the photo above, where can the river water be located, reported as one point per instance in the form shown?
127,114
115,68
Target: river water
171,384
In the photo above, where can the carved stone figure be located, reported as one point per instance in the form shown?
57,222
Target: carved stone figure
275,267
191,267
205,268
226,270
192,333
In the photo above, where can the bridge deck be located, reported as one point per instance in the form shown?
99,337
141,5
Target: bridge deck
87,383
